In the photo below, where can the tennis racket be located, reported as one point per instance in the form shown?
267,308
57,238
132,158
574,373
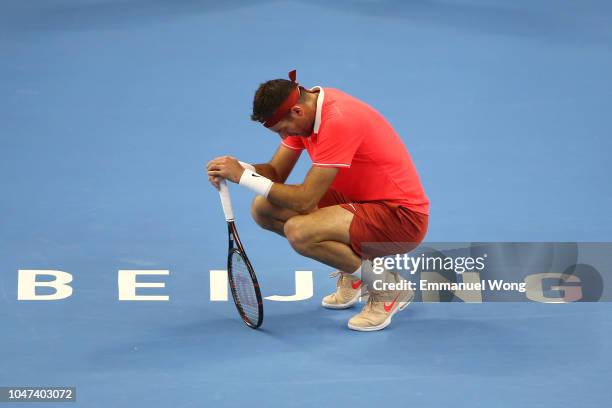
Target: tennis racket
242,279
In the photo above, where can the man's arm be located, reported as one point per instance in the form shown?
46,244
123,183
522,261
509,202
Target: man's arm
280,166
304,197
277,169
301,198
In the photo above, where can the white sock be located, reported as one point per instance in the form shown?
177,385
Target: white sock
356,273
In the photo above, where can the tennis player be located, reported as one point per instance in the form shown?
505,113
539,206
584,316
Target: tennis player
362,188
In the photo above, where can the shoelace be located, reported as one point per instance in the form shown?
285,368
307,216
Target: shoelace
335,274
370,304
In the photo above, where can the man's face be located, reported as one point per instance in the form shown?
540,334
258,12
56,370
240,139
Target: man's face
296,123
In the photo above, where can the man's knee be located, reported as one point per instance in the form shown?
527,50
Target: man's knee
296,234
260,212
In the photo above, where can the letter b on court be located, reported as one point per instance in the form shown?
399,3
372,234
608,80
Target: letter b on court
27,284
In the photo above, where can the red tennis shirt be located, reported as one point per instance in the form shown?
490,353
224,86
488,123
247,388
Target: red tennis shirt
373,163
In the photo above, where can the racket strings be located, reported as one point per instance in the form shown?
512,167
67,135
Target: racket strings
244,288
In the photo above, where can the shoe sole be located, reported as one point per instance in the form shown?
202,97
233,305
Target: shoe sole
402,306
346,305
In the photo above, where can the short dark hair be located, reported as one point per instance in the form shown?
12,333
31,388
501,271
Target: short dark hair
269,96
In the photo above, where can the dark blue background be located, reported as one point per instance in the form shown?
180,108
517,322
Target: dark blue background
110,110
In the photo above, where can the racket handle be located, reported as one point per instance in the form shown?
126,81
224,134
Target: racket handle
226,201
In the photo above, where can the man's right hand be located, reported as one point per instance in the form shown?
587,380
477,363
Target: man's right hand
224,168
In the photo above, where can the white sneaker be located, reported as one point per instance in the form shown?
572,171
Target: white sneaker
348,291
381,306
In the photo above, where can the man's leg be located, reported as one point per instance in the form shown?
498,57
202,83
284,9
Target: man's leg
269,216
322,235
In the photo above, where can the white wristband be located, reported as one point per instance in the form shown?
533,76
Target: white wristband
255,182
247,166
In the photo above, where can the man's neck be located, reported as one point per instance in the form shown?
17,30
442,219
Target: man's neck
312,97
311,102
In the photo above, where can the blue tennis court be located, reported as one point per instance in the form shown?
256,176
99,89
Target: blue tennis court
111,109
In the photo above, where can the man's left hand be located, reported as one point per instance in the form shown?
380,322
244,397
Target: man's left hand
226,167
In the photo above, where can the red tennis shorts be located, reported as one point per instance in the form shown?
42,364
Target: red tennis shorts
380,228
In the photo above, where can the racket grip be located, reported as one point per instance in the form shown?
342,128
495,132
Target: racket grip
226,201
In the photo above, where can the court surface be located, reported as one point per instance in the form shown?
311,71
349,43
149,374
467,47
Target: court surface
110,110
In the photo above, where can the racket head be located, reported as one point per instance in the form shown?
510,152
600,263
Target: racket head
243,284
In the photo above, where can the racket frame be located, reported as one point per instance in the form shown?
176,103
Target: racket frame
235,246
